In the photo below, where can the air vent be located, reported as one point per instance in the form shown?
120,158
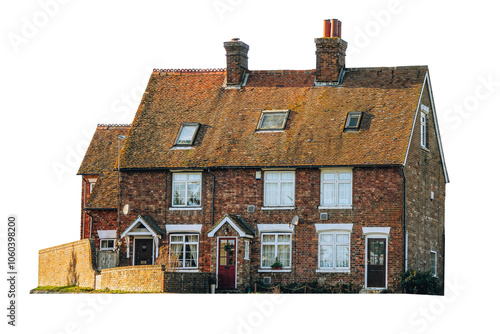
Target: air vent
323,216
266,280
251,208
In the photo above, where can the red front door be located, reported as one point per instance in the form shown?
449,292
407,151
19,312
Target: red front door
227,263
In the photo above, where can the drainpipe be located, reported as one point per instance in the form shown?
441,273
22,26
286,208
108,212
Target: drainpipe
84,202
213,195
405,246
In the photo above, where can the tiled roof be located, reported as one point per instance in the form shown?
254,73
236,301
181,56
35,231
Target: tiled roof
314,134
105,192
238,221
153,225
103,149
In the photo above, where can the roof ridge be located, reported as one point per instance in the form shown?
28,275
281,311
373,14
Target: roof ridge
107,126
179,71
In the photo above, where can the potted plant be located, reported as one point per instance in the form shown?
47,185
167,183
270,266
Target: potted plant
277,265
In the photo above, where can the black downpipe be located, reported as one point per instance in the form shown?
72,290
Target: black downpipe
213,195
404,221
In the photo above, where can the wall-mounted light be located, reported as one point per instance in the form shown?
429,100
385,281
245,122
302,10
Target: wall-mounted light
226,231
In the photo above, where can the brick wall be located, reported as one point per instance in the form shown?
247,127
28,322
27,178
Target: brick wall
134,278
102,220
178,282
425,217
69,264
377,201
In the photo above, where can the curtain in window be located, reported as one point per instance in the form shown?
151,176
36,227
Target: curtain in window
271,194
268,256
286,197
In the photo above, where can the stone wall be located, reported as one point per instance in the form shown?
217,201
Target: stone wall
134,278
179,282
68,264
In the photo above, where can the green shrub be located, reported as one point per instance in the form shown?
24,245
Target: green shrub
420,282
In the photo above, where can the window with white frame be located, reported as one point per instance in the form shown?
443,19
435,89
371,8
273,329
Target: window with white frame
353,120
279,188
107,244
272,120
91,187
423,125
276,246
433,263
334,250
247,250
184,250
186,189
336,188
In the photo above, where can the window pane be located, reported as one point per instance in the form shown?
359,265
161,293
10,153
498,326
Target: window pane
179,193
327,238
342,256
179,177
328,176
176,238
287,176
192,238
272,176
326,256
343,238
268,256
186,135
344,176
268,238
353,121
194,194
284,255
284,237
286,197
176,250
272,120
271,194
194,177
328,194
344,193
191,255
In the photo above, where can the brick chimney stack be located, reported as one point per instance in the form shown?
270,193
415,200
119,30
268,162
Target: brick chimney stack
237,61
330,53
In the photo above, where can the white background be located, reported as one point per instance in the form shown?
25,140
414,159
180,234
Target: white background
69,65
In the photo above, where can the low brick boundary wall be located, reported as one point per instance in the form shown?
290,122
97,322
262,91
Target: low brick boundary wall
134,278
183,282
68,264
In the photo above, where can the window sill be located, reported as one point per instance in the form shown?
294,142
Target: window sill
425,148
184,208
194,270
274,271
345,271
277,208
338,207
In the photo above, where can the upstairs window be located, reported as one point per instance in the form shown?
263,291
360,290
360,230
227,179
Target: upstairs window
279,189
186,189
187,134
336,188
272,120
424,111
353,120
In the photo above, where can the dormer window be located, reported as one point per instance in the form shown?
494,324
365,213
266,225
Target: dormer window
187,134
272,120
353,120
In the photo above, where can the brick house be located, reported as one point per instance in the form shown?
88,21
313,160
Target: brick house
336,173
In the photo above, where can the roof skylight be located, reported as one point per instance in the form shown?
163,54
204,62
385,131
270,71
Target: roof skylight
272,120
187,134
